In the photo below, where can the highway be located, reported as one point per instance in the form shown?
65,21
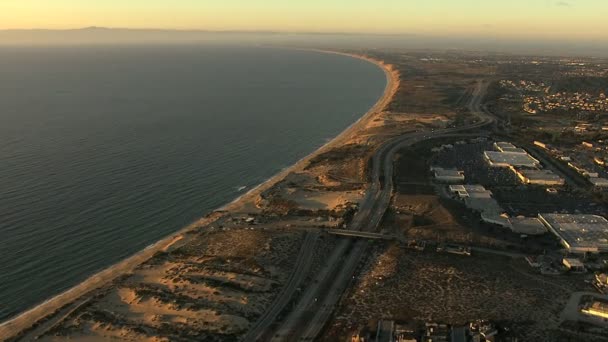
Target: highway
301,267
316,304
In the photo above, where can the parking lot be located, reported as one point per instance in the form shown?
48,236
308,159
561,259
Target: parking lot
516,198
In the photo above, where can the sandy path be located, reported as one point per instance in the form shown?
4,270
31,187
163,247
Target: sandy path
26,319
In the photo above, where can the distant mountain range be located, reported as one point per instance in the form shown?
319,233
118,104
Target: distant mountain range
105,35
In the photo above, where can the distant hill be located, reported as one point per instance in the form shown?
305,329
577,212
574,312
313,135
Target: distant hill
105,35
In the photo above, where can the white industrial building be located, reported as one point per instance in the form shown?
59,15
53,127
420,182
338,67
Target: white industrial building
578,233
448,175
538,177
479,199
508,159
471,190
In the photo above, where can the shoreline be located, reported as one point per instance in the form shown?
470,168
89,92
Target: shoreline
25,320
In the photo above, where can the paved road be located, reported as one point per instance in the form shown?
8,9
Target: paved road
316,304
301,267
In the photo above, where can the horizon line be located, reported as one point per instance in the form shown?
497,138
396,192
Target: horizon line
280,32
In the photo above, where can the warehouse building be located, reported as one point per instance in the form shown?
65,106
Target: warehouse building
538,177
448,175
471,190
527,225
596,308
578,233
479,199
502,145
574,265
508,159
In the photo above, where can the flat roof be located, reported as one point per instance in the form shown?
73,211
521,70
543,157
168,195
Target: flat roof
527,225
440,172
456,188
532,174
573,262
598,181
471,190
488,205
513,150
510,158
581,232
599,307
503,144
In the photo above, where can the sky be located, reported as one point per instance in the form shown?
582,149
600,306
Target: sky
545,19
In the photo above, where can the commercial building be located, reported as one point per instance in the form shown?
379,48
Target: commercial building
585,173
448,175
574,265
479,199
508,159
601,282
502,145
596,308
513,150
538,177
527,225
578,233
599,182
471,191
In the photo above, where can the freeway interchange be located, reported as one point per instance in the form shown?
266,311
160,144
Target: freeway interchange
315,304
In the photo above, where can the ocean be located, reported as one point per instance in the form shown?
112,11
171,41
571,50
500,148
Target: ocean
106,149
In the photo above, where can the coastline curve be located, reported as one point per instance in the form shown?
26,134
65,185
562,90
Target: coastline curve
72,298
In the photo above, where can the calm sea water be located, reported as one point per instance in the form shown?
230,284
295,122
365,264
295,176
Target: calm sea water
105,150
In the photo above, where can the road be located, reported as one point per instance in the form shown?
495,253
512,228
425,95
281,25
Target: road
314,308
302,266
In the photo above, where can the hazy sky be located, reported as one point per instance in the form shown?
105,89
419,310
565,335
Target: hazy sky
553,19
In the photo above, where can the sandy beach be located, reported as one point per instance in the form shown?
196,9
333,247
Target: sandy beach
52,311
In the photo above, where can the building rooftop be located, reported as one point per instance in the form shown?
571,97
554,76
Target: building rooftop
510,159
448,174
478,198
472,191
578,233
501,145
600,306
539,176
484,205
573,262
527,225
597,308
513,150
